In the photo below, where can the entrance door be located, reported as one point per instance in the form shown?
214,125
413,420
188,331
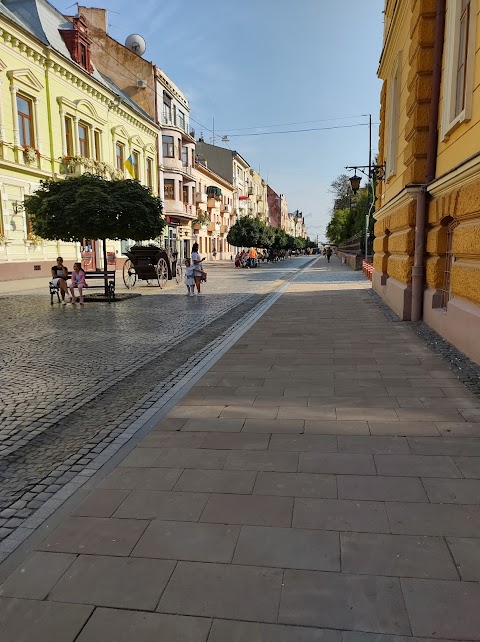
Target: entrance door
88,254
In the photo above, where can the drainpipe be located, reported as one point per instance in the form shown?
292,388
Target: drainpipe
418,270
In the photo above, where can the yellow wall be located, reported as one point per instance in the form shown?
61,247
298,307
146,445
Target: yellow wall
40,74
464,141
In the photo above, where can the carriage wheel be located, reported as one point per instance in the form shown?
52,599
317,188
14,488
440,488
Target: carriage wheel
129,274
178,274
162,272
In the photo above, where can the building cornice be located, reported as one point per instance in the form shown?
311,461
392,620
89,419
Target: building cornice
51,60
465,173
390,50
402,198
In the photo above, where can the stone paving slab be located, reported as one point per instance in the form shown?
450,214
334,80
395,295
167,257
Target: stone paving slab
321,509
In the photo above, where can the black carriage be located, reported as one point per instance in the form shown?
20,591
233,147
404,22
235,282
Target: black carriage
151,263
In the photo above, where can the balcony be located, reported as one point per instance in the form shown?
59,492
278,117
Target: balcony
201,197
170,120
225,208
188,170
224,229
177,208
213,203
213,227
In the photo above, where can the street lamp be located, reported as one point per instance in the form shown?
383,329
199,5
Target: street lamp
371,171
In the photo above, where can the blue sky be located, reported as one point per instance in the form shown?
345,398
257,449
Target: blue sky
257,63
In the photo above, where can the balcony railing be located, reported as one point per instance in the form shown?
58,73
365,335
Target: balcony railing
169,119
177,207
201,197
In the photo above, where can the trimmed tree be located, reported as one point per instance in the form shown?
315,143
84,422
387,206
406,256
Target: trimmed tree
250,232
90,207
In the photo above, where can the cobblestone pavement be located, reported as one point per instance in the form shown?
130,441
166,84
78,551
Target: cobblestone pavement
73,379
321,482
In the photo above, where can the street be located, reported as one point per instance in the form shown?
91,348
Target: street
71,375
317,479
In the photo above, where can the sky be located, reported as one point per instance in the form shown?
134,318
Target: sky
247,66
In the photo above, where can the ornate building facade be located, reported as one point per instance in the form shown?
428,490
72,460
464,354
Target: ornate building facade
427,245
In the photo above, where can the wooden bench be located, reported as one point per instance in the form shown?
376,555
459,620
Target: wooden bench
90,276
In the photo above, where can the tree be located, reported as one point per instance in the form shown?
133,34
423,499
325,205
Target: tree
341,190
250,232
90,207
279,239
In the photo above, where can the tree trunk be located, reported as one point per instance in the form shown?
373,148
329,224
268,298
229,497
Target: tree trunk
105,266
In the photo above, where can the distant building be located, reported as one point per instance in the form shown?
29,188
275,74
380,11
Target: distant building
151,88
427,232
214,213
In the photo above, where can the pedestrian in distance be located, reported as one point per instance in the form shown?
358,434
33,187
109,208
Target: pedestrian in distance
77,281
198,273
189,278
252,257
59,278
329,254
214,254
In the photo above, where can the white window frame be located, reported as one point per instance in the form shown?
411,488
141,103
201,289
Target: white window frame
393,125
452,36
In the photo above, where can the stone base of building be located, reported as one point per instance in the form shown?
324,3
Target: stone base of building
395,294
459,323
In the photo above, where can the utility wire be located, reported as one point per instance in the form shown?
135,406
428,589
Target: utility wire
295,131
302,122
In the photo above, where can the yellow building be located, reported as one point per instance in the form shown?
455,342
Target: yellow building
214,213
58,116
427,245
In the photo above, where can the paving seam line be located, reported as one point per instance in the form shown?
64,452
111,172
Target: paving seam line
108,382
25,538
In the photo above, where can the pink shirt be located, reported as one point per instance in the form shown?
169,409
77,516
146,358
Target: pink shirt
78,278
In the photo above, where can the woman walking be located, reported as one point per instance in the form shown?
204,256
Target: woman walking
197,268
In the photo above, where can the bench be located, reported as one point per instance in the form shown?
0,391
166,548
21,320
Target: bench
90,276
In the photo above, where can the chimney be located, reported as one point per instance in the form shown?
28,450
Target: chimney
97,18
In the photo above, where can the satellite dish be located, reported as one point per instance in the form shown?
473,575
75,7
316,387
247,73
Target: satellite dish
136,44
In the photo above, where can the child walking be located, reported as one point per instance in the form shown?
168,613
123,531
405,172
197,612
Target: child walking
77,281
189,279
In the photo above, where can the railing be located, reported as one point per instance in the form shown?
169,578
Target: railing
353,245
175,121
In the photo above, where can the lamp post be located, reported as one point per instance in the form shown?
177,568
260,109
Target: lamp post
371,171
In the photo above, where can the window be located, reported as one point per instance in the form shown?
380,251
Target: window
462,57
393,88
98,146
184,155
459,63
68,136
185,194
169,189
84,147
181,120
149,173
25,121
167,108
120,155
83,56
136,164
168,147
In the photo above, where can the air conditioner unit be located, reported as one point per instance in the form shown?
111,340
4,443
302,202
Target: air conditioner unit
141,84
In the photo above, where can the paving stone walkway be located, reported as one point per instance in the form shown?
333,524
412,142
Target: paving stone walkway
321,483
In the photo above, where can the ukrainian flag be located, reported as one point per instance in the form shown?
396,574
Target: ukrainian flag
129,166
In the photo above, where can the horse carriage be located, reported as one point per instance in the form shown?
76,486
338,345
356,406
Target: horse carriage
151,263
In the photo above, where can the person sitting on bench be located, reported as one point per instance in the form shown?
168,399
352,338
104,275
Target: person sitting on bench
78,281
59,278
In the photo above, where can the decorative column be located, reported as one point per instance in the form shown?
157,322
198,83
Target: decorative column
64,133
76,137
16,131
2,121
37,130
